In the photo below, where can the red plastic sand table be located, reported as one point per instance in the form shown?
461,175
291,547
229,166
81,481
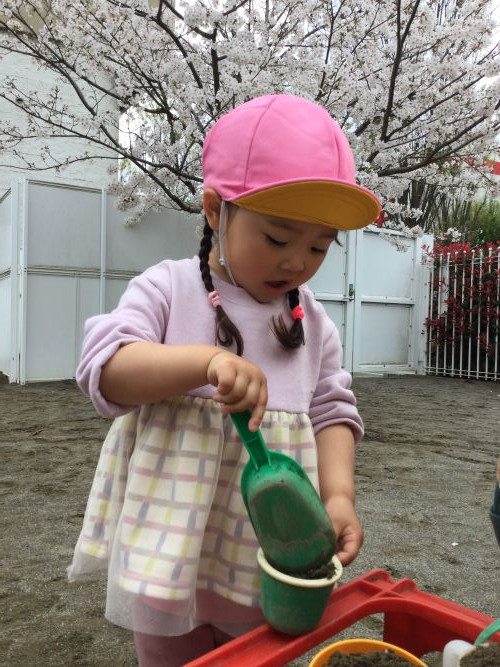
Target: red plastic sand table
418,622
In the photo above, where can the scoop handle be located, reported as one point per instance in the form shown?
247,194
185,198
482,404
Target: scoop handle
253,440
488,632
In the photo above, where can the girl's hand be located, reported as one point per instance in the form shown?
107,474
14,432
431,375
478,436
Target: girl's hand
347,527
240,386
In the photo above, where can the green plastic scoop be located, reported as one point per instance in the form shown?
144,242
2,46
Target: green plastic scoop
488,632
289,519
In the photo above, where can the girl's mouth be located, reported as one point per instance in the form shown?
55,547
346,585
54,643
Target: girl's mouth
277,284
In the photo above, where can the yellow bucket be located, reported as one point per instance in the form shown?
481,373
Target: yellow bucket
357,646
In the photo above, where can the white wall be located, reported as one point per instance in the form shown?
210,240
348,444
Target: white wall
31,77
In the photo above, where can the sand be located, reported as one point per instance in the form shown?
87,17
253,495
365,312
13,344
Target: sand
425,480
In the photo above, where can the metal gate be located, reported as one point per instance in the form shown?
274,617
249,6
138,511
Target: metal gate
464,314
377,296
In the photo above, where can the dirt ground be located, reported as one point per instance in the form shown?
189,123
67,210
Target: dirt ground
425,481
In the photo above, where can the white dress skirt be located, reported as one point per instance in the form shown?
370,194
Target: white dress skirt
166,519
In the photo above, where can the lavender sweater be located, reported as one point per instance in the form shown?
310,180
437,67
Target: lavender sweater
168,304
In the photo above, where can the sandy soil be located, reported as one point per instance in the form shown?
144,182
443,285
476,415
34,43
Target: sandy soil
425,479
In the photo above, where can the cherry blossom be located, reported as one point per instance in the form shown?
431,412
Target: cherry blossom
414,83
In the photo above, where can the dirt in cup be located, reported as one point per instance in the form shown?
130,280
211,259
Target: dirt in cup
482,656
326,571
377,659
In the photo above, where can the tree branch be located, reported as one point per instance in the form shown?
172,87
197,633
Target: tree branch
400,40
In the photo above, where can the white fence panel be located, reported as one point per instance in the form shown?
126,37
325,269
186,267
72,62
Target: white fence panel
331,287
62,238
50,327
75,259
63,227
130,250
5,281
71,256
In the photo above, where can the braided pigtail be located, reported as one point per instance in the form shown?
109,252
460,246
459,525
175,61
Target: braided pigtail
293,337
226,331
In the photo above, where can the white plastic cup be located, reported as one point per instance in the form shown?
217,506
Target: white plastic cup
454,651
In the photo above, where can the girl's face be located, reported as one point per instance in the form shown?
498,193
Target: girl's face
269,256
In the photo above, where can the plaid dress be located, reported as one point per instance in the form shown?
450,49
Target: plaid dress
166,514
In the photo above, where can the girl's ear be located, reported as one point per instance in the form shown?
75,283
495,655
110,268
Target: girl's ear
211,207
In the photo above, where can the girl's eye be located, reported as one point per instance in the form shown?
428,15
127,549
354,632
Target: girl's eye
319,251
274,241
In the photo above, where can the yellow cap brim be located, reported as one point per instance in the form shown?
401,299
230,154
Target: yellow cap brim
335,204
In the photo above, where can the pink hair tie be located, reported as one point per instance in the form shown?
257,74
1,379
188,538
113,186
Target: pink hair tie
214,298
298,313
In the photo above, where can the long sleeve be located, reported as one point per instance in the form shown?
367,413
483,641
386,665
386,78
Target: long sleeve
333,401
141,315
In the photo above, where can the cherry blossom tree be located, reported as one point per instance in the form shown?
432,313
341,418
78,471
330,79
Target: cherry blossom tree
414,83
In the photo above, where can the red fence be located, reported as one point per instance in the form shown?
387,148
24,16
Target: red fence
464,312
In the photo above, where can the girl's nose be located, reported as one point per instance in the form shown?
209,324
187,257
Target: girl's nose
294,263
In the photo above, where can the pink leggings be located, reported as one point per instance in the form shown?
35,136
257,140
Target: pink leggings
157,651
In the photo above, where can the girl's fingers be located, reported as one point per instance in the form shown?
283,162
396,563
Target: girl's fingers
237,406
240,386
240,390
349,541
348,550
244,389
259,409
226,378
257,417
231,396
255,400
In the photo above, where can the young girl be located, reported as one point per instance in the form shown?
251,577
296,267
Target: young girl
194,340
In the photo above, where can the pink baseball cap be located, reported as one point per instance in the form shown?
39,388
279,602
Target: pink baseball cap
284,156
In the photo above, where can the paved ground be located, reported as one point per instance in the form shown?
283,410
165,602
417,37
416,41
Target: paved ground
425,479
